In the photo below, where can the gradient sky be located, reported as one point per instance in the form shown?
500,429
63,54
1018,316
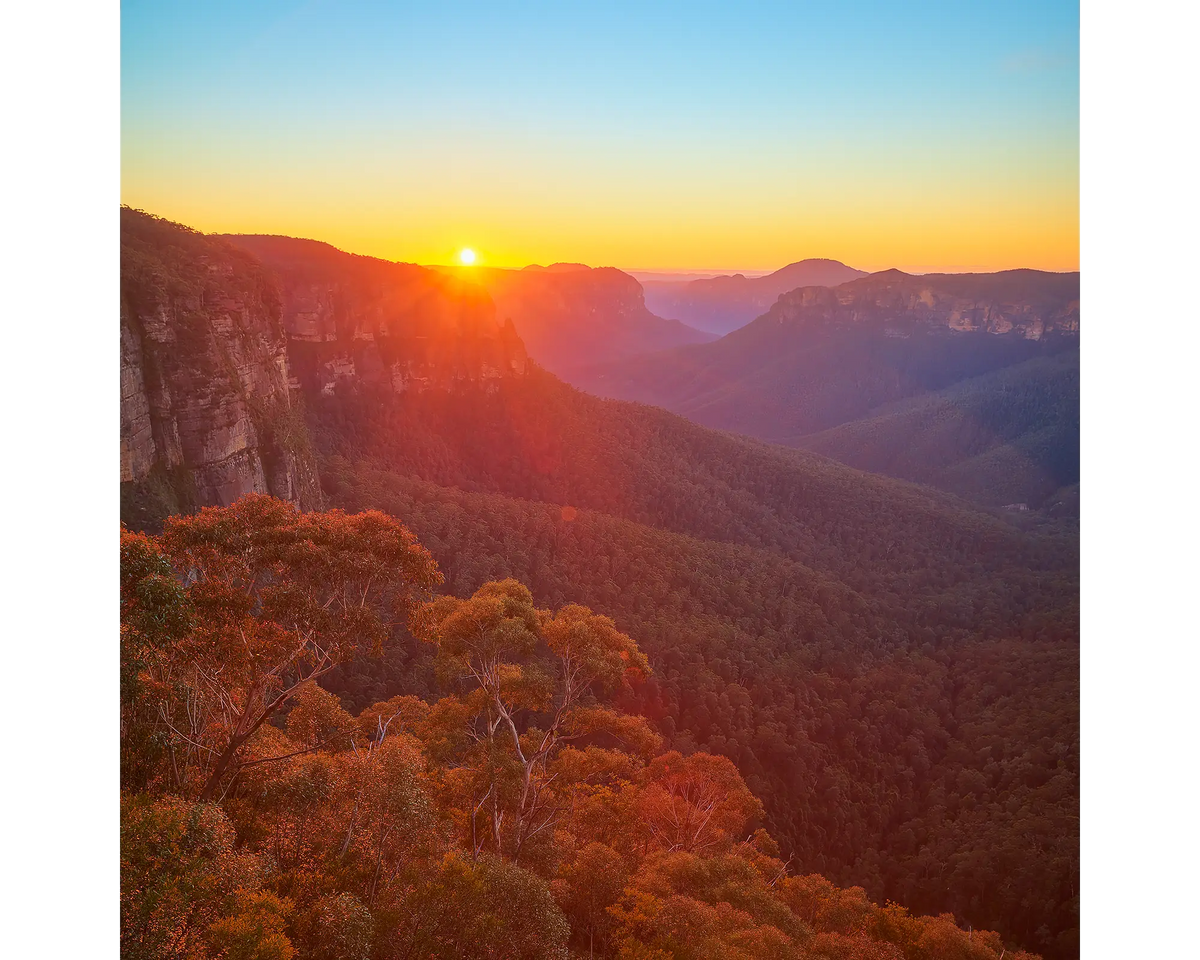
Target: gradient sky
924,136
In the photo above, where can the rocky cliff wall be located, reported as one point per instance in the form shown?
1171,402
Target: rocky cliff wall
397,326
571,316
1027,303
206,413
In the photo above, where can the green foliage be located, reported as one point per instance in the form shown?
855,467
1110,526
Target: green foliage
490,910
278,598
317,720
343,928
254,930
163,493
180,872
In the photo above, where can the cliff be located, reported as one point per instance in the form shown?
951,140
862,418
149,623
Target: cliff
223,339
824,356
206,413
1028,303
398,326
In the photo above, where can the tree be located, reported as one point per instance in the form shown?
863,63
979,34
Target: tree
280,598
490,642
485,910
585,888
696,802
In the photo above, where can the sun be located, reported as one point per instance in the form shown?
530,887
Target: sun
466,256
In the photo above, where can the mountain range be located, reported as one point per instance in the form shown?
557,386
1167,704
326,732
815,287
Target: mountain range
824,357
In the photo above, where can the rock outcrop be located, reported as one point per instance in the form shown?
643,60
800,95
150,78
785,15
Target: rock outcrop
225,339
1028,303
206,412
398,326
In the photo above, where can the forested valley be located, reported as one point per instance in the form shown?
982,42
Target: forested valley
865,690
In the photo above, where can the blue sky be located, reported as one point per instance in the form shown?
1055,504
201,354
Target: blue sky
546,128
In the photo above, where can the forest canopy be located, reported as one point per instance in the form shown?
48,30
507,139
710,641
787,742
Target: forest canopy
516,812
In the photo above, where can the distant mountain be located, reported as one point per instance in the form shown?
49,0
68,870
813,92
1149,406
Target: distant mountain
556,268
674,276
570,315
822,357
722,304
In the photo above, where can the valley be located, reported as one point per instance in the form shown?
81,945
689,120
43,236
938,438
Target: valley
891,667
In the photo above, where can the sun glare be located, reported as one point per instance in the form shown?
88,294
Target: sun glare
466,256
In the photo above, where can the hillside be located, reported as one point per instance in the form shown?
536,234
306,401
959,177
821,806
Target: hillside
517,811
939,774
720,305
1011,436
713,550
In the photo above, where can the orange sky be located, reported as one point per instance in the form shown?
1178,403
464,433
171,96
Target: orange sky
632,136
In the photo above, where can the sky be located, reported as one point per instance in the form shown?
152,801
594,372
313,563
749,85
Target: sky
923,136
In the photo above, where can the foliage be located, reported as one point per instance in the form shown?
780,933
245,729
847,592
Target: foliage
351,836
1006,437
931,722
279,599
490,641
180,873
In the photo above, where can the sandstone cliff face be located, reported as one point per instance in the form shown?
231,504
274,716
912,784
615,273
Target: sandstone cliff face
1026,303
206,414
396,326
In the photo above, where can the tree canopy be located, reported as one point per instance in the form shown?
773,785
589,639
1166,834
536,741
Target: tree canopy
517,812
274,599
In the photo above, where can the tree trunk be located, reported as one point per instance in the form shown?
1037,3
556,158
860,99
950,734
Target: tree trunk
221,766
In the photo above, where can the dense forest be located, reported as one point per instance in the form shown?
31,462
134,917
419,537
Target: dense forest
930,766
890,670
1009,436
770,584
515,812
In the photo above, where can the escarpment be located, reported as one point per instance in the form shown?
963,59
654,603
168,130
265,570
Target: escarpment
398,326
223,340
206,413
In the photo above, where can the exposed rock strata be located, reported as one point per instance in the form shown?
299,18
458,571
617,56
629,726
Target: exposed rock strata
393,325
222,339
206,413
1029,303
